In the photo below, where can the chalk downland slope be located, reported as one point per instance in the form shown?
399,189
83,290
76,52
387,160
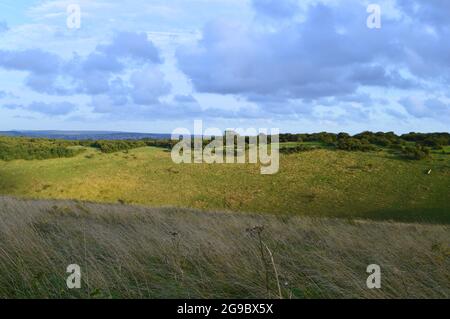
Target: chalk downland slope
135,252
373,185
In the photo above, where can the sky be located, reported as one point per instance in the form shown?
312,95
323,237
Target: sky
157,65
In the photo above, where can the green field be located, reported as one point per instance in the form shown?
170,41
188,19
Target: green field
322,182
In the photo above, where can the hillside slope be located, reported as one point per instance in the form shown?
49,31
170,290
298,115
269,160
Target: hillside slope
329,183
127,251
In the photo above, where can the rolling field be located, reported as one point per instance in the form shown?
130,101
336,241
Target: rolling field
330,183
134,252
225,231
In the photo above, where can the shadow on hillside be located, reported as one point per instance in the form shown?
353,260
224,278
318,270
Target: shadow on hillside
417,215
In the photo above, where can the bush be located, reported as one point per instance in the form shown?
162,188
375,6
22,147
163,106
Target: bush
418,152
434,140
12,148
353,144
117,145
296,149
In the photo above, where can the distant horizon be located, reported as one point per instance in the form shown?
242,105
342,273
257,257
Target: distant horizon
68,132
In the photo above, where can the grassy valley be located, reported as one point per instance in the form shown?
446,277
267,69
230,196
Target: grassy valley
321,182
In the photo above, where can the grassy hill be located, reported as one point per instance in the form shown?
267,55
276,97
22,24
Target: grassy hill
322,182
126,251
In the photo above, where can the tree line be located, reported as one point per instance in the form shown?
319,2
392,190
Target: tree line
411,145
12,148
34,148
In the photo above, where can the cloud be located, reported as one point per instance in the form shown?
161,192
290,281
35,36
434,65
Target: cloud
426,108
97,72
132,45
49,109
100,62
433,12
5,94
329,53
94,74
288,60
275,8
184,107
59,108
3,26
139,96
12,106
311,59
33,60
148,85
46,83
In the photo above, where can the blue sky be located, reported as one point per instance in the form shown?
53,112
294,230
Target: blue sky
154,65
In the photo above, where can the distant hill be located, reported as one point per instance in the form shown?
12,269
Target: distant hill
84,135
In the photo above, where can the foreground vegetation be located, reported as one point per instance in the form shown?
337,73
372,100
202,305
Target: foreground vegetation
134,252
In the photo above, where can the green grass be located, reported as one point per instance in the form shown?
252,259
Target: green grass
135,252
446,150
375,185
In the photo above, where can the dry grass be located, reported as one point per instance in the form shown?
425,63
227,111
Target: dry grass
127,251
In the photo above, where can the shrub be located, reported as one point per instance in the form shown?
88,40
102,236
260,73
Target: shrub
418,152
431,139
112,146
353,144
296,149
12,148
